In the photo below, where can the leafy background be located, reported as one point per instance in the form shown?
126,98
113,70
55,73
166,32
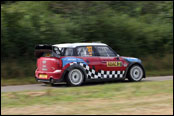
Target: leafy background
139,29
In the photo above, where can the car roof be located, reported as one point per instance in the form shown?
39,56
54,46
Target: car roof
73,45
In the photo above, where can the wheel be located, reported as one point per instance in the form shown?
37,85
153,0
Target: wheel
52,82
135,73
75,77
46,83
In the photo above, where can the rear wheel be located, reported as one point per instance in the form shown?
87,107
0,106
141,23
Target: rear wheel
135,73
52,82
75,77
46,83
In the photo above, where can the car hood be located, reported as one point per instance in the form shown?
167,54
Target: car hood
131,59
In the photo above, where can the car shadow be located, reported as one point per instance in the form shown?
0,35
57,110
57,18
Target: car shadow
64,85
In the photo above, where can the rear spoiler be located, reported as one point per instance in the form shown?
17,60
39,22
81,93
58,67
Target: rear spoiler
43,46
40,49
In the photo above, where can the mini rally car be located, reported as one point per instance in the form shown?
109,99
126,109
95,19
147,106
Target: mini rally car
77,63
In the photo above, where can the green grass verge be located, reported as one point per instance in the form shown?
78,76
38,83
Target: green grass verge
116,91
159,72
17,81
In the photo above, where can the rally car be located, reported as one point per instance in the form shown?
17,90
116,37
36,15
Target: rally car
76,63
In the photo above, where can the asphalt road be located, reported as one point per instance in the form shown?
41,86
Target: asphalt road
63,85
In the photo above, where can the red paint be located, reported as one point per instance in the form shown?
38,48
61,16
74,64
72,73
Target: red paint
92,62
52,64
49,64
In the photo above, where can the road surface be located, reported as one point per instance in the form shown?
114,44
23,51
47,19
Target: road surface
42,86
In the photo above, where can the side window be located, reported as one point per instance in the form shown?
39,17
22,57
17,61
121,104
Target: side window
85,51
68,52
105,51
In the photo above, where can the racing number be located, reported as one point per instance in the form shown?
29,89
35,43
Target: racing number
89,50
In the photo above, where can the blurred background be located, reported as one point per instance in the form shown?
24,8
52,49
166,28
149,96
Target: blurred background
139,29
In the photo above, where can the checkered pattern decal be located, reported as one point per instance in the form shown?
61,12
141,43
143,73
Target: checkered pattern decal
101,74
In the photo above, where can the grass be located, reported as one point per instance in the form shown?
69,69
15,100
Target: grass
159,72
115,98
17,81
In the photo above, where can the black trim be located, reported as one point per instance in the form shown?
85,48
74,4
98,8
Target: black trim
134,63
43,46
48,80
104,80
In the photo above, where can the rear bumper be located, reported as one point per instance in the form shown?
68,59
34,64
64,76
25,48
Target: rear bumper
49,80
56,76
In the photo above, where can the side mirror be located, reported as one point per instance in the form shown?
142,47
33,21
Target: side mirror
117,57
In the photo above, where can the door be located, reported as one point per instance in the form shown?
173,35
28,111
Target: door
111,65
87,53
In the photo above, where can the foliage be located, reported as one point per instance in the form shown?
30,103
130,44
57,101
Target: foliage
130,28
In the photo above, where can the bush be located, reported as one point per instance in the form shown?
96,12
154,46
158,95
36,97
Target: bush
130,29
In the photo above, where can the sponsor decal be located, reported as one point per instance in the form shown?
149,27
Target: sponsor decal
101,74
114,64
131,59
68,60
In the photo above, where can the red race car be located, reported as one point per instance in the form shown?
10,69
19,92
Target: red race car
76,63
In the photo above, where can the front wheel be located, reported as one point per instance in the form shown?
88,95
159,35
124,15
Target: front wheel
135,73
75,77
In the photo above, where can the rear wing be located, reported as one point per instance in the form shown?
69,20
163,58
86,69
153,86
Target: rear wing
40,49
43,46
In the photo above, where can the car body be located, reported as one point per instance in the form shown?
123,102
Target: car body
76,63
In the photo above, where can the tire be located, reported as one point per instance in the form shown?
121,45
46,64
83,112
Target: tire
135,73
75,77
52,82
46,83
